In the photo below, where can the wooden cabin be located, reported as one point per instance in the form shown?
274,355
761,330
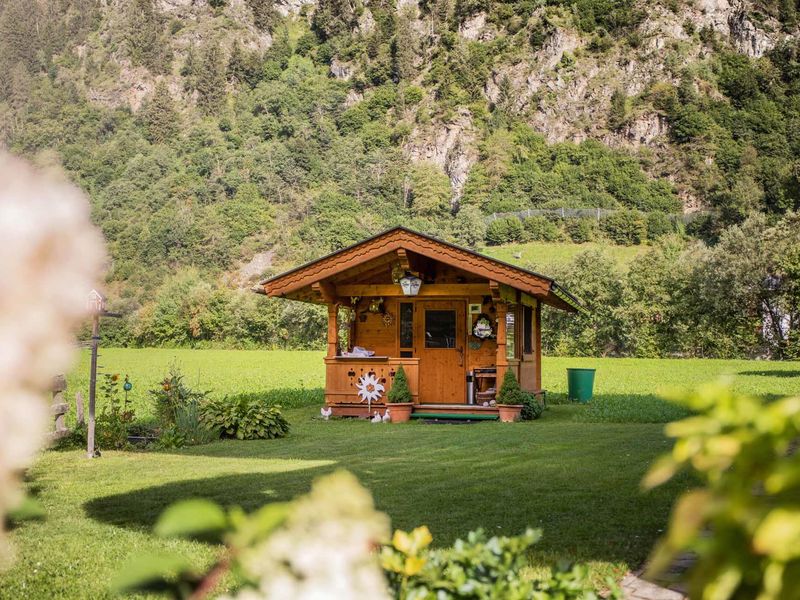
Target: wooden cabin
454,319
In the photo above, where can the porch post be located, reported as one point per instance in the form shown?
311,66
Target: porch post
501,360
333,330
537,343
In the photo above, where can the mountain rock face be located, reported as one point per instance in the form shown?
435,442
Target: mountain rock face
561,86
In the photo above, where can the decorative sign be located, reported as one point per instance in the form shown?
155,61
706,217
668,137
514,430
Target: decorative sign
474,309
369,388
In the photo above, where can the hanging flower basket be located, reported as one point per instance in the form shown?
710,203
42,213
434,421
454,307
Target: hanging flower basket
483,328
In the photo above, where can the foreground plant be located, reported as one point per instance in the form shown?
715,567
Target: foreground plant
479,567
51,258
326,545
318,546
743,523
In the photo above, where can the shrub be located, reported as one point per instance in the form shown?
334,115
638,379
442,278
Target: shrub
503,231
510,392
486,567
400,391
172,395
531,407
540,229
625,227
658,225
580,231
244,418
189,424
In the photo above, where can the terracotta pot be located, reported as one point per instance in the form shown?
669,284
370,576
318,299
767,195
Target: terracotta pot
400,412
509,412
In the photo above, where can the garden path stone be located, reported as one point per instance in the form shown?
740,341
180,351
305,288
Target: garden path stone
636,588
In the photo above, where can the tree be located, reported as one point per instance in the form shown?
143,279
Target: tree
400,391
160,116
430,190
618,113
469,227
144,36
404,46
211,80
264,14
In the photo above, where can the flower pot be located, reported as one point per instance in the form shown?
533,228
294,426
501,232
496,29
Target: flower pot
509,412
400,412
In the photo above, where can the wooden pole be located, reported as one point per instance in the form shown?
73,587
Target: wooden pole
537,343
333,330
90,451
501,360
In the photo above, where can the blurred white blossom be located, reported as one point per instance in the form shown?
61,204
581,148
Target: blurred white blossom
326,549
51,256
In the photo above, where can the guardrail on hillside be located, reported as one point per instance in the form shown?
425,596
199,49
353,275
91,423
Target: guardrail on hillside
580,213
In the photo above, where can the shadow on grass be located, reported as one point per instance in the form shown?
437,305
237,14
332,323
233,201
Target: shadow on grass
140,509
579,482
771,373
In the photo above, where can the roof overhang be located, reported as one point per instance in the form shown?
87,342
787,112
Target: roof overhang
315,274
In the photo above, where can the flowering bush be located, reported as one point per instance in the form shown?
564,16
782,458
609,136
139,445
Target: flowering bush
171,395
51,259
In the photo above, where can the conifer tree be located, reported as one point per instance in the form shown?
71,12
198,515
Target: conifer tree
18,40
210,80
237,64
190,69
618,114
145,40
404,47
160,116
264,14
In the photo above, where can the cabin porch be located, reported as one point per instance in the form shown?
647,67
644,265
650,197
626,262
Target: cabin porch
454,320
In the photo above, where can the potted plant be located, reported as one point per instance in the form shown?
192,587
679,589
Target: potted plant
400,398
511,399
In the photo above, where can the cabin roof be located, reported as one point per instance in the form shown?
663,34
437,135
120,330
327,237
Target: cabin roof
297,282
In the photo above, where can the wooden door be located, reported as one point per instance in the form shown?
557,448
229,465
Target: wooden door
440,348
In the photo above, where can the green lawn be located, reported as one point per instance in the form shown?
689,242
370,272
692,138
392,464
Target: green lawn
574,473
545,254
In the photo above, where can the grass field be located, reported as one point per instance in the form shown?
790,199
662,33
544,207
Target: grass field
544,254
574,473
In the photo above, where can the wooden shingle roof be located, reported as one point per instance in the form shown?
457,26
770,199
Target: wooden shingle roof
297,282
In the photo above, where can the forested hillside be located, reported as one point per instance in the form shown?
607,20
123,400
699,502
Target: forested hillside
222,140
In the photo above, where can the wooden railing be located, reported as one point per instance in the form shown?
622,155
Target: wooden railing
342,375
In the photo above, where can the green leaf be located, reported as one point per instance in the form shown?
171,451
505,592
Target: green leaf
196,518
260,524
778,535
152,573
660,472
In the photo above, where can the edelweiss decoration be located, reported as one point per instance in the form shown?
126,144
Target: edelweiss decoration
369,388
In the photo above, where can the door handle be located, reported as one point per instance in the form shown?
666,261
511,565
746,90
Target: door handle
460,356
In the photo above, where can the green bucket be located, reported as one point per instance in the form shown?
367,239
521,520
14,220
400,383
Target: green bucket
580,383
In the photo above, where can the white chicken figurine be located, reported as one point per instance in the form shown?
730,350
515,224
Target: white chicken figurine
326,412
376,418
386,416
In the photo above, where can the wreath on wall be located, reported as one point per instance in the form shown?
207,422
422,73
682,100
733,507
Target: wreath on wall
483,327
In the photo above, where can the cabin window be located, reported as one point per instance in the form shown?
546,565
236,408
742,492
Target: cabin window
527,330
440,329
511,335
406,325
